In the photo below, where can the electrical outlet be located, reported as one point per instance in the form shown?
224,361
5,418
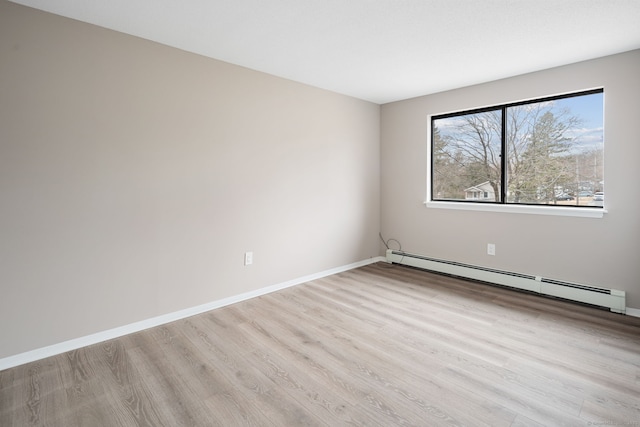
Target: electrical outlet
248,258
491,249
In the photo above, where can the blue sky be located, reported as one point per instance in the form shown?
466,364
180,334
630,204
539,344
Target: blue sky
589,108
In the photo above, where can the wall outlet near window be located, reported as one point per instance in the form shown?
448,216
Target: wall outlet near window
248,258
491,249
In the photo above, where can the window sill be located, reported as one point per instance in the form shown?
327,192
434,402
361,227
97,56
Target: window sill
532,210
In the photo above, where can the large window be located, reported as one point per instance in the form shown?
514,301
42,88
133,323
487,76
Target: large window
539,152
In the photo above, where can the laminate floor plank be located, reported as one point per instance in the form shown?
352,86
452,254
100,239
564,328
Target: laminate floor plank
213,373
427,341
594,356
314,381
305,362
406,382
416,351
615,411
179,402
381,345
84,388
275,373
502,394
283,336
129,397
522,421
40,393
312,391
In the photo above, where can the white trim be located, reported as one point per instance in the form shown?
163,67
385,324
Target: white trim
521,209
635,312
73,344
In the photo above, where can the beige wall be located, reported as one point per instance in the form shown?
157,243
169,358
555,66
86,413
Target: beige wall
134,176
603,252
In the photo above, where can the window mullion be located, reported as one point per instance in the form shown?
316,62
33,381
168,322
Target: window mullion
503,158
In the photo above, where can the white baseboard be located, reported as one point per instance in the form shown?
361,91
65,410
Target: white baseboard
635,312
55,349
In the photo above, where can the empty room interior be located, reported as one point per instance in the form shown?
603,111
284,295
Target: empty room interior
319,213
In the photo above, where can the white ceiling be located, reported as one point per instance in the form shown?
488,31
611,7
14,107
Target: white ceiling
377,50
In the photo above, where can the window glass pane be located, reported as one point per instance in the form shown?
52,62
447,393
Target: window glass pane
555,151
466,162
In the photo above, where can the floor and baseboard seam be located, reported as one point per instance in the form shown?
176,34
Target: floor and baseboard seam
73,344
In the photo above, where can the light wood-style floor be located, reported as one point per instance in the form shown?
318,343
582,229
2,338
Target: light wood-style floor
380,345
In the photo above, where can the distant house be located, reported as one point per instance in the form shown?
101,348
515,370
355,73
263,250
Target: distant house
481,192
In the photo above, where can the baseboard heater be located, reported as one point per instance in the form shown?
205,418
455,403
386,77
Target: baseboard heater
612,299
